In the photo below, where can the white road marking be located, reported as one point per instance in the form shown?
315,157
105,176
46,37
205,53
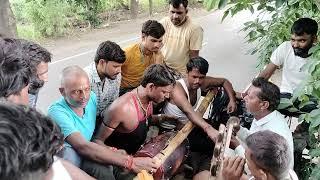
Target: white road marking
90,51
93,50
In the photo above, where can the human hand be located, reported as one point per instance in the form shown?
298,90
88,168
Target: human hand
121,151
232,106
144,163
212,133
233,168
241,95
234,143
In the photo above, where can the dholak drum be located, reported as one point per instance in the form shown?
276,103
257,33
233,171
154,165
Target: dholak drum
173,162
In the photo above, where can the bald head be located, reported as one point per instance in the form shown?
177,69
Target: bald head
72,73
75,86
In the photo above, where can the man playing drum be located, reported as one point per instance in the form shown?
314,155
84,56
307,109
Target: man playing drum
184,98
125,123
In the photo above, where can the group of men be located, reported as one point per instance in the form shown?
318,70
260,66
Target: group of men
105,111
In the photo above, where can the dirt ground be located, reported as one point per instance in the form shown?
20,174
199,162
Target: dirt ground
82,38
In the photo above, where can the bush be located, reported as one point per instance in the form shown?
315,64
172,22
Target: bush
48,17
267,31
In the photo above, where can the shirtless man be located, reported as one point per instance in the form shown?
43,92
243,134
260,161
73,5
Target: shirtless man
75,113
125,123
184,99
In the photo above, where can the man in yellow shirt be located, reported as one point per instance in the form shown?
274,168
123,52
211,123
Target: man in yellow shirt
141,55
183,38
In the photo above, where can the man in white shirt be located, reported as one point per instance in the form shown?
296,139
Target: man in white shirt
261,101
267,158
292,56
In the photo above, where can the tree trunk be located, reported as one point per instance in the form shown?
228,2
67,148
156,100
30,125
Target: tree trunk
134,8
8,27
150,7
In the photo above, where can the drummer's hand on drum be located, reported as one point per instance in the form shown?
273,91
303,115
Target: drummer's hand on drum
144,163
233,168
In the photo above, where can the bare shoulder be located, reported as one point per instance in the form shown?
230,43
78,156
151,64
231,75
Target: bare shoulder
178,95
121,106
178,90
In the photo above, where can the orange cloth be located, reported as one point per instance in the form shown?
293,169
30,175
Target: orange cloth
133,68
144,175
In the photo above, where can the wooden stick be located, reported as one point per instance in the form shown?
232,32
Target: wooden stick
184,132
223,142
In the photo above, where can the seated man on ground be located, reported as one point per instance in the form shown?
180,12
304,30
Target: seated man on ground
261,101
184,99
291,57
141,55
75,113
39,60
30,142
35,58
126,122
105,75
15,72
267,156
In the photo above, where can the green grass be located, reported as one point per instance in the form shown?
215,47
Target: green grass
28,32
157,5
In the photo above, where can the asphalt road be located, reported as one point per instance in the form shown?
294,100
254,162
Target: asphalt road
223,46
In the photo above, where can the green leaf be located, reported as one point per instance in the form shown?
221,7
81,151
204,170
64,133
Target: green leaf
285,103
222,4
292,2
314,152
301,105
302,117
269,8
315,118
315,175
279,3
261,6
251,9
293,109
225,14
210,4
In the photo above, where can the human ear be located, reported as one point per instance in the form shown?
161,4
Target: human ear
314,39
265,105
62,91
